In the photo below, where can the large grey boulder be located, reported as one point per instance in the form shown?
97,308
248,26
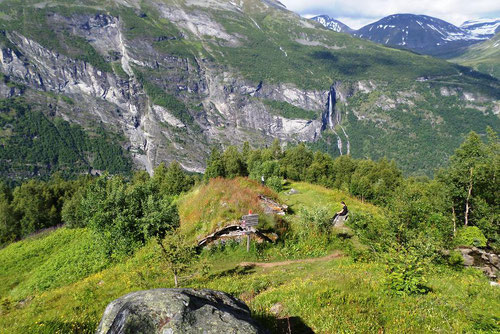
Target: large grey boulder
170,311
489,263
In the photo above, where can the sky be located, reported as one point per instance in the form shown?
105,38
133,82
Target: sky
357,13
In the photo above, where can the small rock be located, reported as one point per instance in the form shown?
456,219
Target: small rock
464,251
494,260
494,283
276,309
293,192
489,272
468,260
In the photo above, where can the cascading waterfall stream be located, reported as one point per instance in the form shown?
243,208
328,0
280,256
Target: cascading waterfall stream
331,118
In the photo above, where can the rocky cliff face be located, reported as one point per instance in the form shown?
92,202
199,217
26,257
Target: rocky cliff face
231,110
173,78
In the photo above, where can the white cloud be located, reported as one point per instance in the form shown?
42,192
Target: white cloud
357,13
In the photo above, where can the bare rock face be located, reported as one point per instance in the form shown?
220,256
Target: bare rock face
177,311
489,263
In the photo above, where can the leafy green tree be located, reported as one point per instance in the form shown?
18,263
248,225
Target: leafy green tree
420,205
276,149
9,226
295,162
321,170
125,215
178,253
245,152
233,163
343,169
35,206
375,181
472,178
215,165
72,213
159,216
172,180
275,183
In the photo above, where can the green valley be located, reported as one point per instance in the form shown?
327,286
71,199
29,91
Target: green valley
484,57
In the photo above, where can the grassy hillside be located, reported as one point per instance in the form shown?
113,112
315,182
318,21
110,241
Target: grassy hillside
221,202
336,295
484,57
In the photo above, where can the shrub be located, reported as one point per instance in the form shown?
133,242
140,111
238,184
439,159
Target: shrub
125,215
315,219
470,236
455,260
373,231
178,253
406,270
275,183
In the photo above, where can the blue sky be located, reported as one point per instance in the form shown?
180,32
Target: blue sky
357,13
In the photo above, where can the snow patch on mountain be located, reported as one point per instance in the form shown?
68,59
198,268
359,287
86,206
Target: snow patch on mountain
332,24
482,28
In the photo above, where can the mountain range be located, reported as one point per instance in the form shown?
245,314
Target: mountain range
125,84
421,33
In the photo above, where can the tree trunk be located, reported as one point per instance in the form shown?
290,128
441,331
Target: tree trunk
454,218
175,280
469,193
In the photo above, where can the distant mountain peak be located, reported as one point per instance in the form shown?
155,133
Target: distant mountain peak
332,24
420,33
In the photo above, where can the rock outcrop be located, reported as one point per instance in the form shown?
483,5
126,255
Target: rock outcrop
489,263
178,311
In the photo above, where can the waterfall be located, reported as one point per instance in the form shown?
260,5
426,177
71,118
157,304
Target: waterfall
331,118
347,139
330,109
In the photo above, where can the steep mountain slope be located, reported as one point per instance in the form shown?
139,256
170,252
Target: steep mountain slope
420,33
332,24
482,28
484,57
171,78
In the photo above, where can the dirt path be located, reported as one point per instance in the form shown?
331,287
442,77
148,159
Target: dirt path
332,256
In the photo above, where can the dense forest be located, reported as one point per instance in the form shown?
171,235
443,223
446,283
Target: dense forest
34,145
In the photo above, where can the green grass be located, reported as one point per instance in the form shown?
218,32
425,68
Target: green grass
339,295
311,196
48,261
